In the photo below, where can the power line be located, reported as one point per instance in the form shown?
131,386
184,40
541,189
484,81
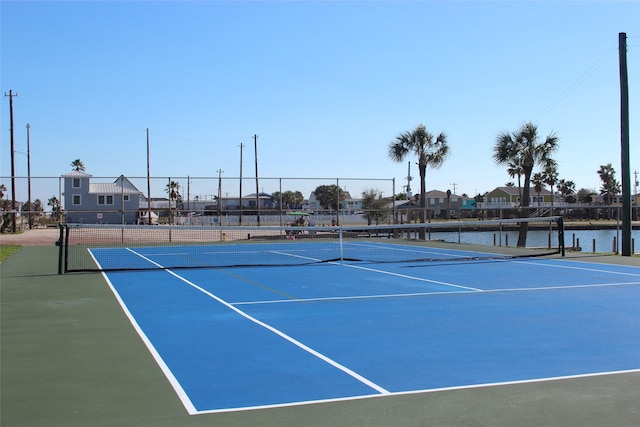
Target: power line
592,69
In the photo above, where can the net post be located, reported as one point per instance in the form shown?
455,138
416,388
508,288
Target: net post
341,244
66,249
560,223
59,244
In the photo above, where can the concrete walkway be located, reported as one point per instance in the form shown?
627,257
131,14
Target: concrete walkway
35,237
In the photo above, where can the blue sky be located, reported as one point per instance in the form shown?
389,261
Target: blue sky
325,85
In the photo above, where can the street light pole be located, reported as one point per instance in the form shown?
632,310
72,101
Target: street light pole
240,217
255,147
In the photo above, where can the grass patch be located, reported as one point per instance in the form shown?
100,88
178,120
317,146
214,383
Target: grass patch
7,250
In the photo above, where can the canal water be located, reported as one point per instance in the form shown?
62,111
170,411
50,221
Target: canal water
604,239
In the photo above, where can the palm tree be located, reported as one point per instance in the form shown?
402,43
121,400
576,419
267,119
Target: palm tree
550,177
523,147
173,190
568,190
514,168
77,165
430,152
55,208
610,187
538,183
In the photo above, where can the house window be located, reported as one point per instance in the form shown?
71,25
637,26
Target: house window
105,199
125,197
76,200
75,183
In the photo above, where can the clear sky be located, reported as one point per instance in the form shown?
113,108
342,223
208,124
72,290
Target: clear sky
326,86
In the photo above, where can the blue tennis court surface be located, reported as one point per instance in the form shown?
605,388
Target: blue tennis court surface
250,337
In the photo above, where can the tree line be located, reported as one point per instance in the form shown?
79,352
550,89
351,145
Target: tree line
522,151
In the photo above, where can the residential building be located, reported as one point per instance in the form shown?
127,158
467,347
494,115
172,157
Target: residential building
509,197
440,204
99,203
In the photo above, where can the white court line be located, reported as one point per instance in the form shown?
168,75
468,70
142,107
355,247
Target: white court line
419,279
421,294
553,288
429,390
353,297
572,267
182,395
270,328
192,411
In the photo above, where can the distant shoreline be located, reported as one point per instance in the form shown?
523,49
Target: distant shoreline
598,225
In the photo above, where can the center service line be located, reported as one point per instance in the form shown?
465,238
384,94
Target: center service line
420,279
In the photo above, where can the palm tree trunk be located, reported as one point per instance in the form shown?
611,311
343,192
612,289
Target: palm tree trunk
524,227
423,198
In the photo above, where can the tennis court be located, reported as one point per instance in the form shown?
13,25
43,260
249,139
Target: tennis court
276,335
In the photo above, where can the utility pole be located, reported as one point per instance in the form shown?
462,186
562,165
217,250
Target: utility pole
409,178
30,214
13,163
220,171
240,199
255,145
624,142
454,185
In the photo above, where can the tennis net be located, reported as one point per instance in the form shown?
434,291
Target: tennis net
87,247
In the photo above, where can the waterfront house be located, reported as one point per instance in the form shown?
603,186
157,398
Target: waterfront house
509,197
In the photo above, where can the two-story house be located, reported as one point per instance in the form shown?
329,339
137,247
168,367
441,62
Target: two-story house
441,204
99,203
509,197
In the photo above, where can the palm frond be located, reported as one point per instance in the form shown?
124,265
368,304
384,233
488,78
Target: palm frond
505,149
